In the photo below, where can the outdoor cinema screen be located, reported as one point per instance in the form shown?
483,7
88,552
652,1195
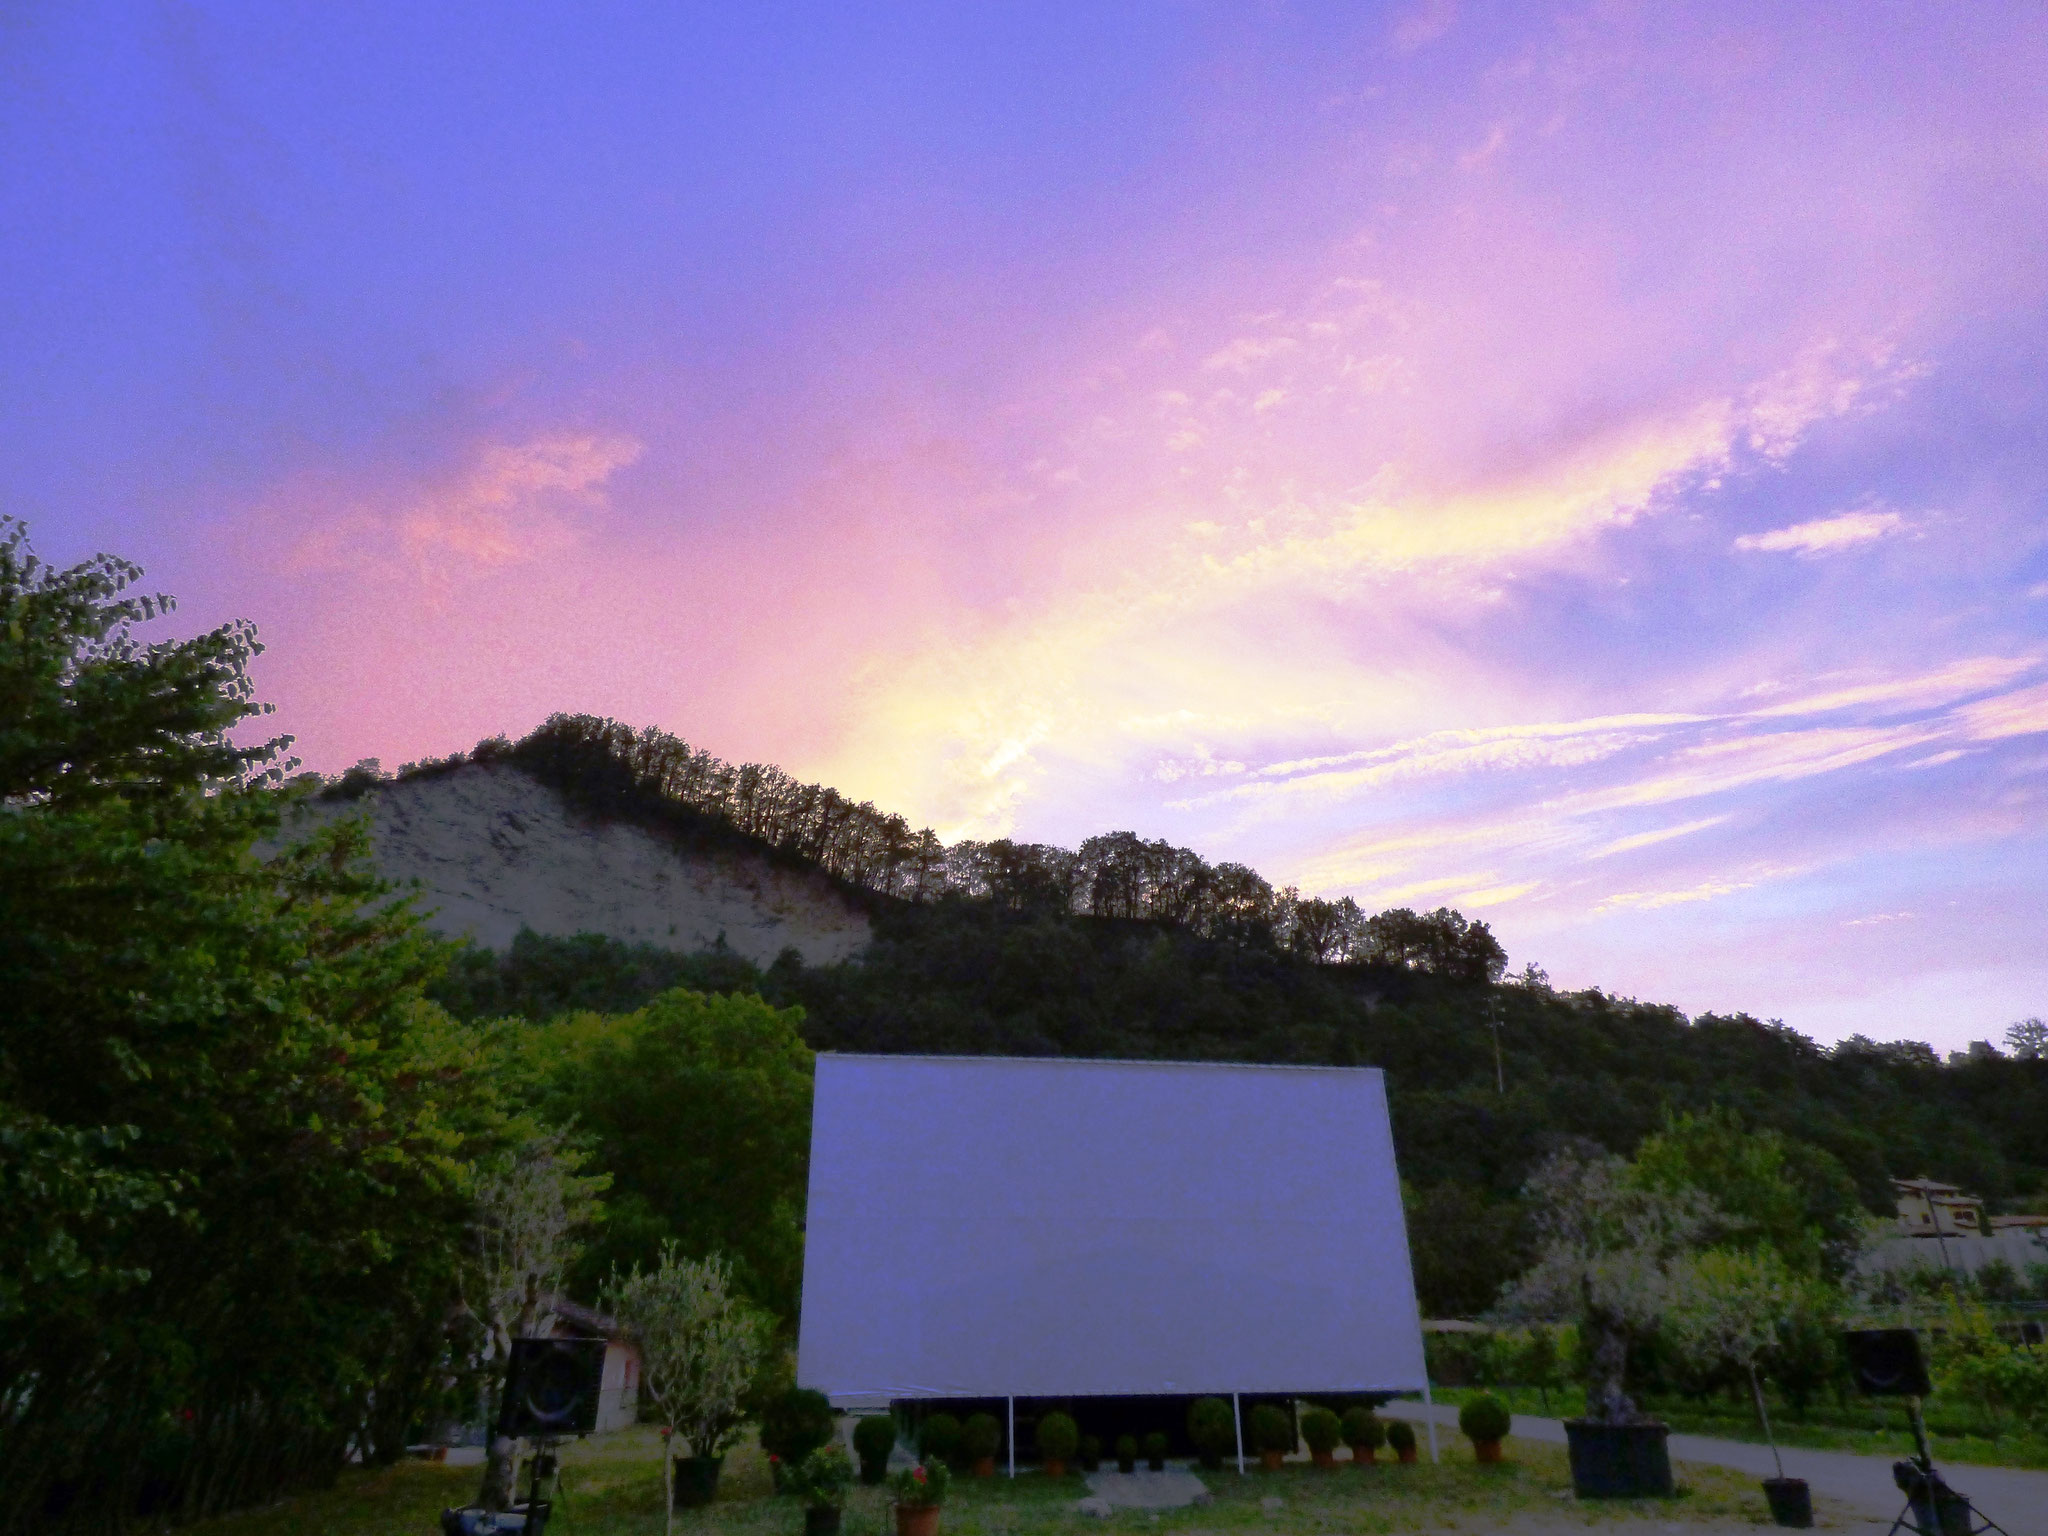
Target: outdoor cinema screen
986,1227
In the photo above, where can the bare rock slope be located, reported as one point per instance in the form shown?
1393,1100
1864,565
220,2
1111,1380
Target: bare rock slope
496,850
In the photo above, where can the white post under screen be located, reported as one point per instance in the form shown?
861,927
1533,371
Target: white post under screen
1012,1437
1429,1419
1237,1418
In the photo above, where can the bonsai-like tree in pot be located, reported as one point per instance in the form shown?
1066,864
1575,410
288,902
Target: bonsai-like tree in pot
980,1438
1485,1421
1322,1430
1607,1242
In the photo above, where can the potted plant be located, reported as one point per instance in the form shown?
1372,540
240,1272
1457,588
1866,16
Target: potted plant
794,1423
1213,1429
1091,1453
874,1437
1485,1422
1727,1308
700,1346
1156,1445
1607,1242
919,1491
1322,1430
1401,1440
1127,1453
980,1438
1058,1438
821,1480
1272,1435
1364,1433
938,1438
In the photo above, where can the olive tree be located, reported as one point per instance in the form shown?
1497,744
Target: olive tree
1607,1245
530,1202
700,1346
1729,1307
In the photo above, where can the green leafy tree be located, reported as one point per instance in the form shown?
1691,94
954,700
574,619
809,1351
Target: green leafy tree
1772,1192
234,1139
699,1108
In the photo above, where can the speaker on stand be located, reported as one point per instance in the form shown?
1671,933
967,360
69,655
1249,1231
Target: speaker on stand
1887,1362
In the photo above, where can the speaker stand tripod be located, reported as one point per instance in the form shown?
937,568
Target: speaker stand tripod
1932,1507
543,1466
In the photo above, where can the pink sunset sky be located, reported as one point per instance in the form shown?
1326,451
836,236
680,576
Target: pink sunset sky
1585,465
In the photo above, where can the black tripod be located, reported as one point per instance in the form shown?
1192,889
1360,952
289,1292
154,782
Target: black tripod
1932,1507
543,1467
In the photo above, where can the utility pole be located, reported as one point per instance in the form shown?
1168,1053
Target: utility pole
1500,1080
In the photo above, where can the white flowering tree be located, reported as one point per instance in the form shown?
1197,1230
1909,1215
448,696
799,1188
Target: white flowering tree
700,1348
529,1205
1607,1246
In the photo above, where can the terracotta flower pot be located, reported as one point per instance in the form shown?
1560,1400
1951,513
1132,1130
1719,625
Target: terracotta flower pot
1055,1467
1270,1460
1362,1454
1327,1460
985,1466
917,1520
1486,1450
1406,1453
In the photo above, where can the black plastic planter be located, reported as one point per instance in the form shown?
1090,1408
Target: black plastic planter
1791,1502
821,1520
697,1480
1619,1461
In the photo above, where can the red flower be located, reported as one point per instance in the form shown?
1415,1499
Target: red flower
773,1457
918,1473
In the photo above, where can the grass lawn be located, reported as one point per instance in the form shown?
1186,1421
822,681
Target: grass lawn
1870,1428
612,1487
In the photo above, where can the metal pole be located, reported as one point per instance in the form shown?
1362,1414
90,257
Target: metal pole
1429,1417
1500,1081
1013,1437
1237,1418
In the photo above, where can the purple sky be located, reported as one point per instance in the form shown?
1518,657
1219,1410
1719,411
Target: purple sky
1583,465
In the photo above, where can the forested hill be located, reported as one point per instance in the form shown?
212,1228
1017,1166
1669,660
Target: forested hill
1130,948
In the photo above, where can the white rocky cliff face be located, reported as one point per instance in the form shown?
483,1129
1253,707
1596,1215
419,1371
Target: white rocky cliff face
495,850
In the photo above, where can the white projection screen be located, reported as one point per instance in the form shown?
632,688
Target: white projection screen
989,1227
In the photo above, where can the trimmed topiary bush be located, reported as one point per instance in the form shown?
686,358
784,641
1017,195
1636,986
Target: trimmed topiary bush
1271,1430
1401,1438
938,1438
873,1439
1058,1437
794,1424
1091,1453
1155,1451
1485,1420
1363,1429
1322,1430
1213,1429
980,1437
1127,1453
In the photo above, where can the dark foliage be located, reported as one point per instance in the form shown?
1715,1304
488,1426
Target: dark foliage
968,977
795,1423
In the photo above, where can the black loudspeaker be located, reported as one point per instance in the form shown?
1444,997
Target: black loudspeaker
1886,1362
551,1388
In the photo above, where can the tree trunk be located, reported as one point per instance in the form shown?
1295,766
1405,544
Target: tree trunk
1607,1400
501,1465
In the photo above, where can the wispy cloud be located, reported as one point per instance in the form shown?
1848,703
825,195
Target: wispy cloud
1826,535
511,504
